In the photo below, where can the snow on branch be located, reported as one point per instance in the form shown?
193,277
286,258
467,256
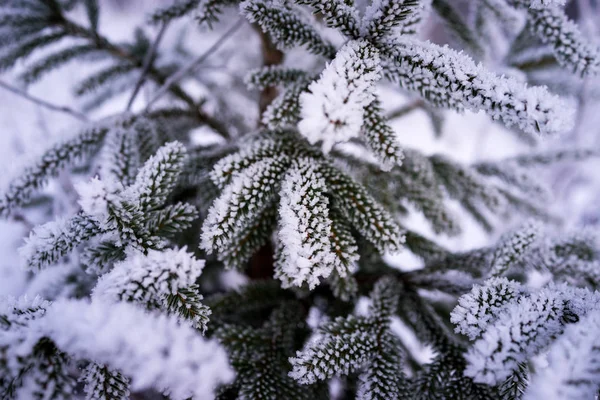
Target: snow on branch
381,16
524,327
451,79
305,232
33,177
550,24
479,308
47,243
149,278
242,201
333,108
153,350
286,27
574,364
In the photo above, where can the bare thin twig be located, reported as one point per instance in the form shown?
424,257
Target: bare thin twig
103,43
183,71
405,109
44,103
148,60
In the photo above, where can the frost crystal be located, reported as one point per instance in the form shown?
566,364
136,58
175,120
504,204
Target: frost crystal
574,364
523,328
148,278
155,351
451,79
546,3
333,109
307,252
479,308
95,195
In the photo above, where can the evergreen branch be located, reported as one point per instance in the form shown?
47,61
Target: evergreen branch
184,71
104,44
44,103
405,109
147,64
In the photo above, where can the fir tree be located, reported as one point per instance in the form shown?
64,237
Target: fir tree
303,202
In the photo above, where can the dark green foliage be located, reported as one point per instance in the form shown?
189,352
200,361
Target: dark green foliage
264,202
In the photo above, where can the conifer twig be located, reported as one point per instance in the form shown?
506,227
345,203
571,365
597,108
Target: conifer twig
184,71
148,60
43,103
103,43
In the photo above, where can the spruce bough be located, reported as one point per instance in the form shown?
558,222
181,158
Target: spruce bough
257,266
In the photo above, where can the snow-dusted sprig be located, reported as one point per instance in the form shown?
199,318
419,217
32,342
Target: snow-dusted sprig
333,108
126,147
362,211
546,158
230,166
103,78
29,369
208,11
178,9
514,175
271,144
545,3
338,14
380,137
520,332
384,378
149,278
61,155
248,240
186,303
171,219
524,328
515,385
345,250
273,75
345,289
128,212
116,335
450,79
384,300
512,248
160,279
348,344
307,250
574,364
416,183
285,27
132,216
158,176
120,156
572,256
381,16
242,201
345,345
103,383
479,308
260,355
47,243
37,69
285,109
16,313
205,11
550,24
46,374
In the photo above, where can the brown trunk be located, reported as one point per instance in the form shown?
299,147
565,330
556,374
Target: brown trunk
260,265
271,56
